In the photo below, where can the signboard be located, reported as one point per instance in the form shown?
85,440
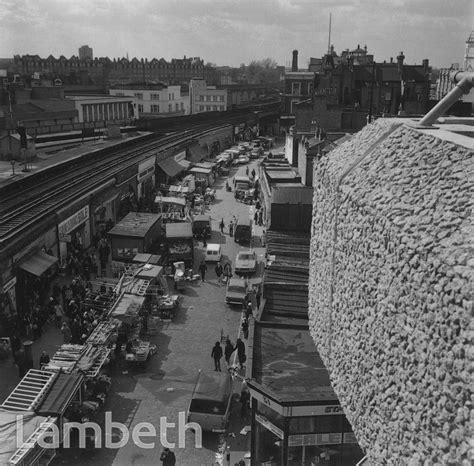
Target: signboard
180,156
266,401
325,91
328,410
65,238
8,285
314,439
349,437
71,223
269,426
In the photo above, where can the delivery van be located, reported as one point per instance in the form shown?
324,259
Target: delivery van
210,401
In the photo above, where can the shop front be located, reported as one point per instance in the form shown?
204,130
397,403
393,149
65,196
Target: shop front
146,179
296,416
171,167
74,233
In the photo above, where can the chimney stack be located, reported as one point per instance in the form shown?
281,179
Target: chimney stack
426,65
294,64
400,59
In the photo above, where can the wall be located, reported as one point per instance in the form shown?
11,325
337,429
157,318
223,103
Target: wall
391,289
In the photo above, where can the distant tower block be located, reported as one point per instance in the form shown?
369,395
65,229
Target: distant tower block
85,52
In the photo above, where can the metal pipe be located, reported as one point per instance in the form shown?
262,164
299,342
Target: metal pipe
465,82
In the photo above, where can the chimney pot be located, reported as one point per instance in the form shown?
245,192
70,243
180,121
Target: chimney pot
294,64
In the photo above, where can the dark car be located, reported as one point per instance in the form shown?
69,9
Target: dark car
236,291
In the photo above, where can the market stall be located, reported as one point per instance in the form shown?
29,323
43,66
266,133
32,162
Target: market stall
29,452
104,334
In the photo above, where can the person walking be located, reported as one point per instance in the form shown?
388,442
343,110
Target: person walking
216,354
240,347
247,171
245,328
203,270
66,331
253,173
227,271
222,226
219,271
228,350
231,228
44,359
255,217
204,241
167,457
244,402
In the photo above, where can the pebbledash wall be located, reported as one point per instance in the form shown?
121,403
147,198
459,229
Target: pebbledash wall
391,289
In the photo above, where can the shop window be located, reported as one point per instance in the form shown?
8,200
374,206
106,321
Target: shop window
317,455
269,447
328,424
302,425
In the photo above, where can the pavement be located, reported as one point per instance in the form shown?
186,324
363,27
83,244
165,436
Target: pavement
162,390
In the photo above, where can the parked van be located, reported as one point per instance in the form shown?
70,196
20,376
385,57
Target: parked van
242,183
201,224
213,253
210,402
243,230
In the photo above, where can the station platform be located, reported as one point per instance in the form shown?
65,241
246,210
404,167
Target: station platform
47,157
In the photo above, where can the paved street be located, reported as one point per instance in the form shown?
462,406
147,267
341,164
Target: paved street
165,386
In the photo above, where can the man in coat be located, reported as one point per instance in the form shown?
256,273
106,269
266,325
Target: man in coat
216,354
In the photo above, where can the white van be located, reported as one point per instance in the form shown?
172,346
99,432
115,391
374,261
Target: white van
213,252
210,401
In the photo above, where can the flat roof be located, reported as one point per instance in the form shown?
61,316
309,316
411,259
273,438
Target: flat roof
287,365
136,224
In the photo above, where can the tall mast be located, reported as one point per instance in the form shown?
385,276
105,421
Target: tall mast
329,38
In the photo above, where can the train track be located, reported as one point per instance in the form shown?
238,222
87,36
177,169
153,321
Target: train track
20,212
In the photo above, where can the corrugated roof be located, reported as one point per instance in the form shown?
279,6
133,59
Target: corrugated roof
286,300
61,393
136,224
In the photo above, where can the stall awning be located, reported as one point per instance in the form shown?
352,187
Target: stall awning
39,263
171,200
171,167
197,153
60,395
127,308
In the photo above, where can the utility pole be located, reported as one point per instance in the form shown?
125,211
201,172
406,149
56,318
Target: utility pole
371,99
329,36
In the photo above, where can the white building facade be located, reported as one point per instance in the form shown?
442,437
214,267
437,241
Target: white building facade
99,108
206,98
164,101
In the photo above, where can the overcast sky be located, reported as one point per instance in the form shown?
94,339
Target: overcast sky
231,32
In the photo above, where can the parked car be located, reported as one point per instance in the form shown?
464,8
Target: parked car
245,262
213,253
242,160
236,291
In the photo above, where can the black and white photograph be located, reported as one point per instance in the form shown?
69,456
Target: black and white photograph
236,233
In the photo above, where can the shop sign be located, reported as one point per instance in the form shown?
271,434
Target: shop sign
144,166
65,238
329,410
270,426
325,91
266,401
8,285
314,439
349,437
80,217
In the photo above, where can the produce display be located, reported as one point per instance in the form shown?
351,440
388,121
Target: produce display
103,333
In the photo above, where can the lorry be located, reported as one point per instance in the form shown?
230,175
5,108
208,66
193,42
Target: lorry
180,243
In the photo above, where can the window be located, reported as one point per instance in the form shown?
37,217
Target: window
201,108
221,98
182,106
208,108
208,98
214,98
170,108
140,108
310,88
296,88
119,94
155,109
155,97
176,107
214,107
138,95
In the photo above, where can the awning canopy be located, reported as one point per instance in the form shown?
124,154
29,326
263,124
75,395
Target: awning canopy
39,263
127,308
61,394
197,153
171,200
171,167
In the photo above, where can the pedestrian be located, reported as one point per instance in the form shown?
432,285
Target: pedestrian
247,171
167,457
260,218
227,272
255,217
203,270
58,314
231,228
19,357
44,359
258,296
228,350
253,173
244,402
245,328
219,271
204,242
248,310
66,331
240,347
222,226
216,354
